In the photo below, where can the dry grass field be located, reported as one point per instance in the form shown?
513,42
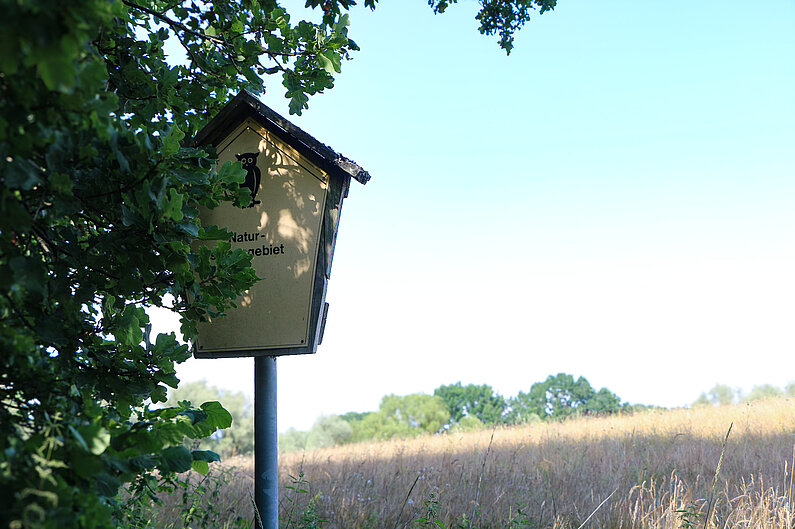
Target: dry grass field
648,470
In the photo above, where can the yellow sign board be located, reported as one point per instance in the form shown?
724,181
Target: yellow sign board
282,231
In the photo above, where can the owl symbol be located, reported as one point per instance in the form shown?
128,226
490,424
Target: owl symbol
253,175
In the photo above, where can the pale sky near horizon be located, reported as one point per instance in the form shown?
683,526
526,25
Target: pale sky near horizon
614,200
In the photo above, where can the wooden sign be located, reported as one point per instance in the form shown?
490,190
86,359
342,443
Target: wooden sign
297,185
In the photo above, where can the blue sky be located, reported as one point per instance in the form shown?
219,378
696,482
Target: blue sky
615,199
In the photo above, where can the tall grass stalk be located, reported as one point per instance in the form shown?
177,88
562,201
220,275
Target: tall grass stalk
710,503
405,501
597,509
480,477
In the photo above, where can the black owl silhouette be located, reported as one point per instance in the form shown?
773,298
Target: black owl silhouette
253,175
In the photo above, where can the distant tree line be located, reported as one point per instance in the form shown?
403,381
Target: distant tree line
457,407
451,408
721,394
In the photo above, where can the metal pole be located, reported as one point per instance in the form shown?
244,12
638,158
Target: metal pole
266,459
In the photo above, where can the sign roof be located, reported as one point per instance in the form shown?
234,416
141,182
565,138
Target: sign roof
245,104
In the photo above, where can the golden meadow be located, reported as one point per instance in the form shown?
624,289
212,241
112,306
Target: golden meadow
653,469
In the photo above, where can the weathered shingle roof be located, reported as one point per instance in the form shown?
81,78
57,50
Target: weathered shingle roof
245,104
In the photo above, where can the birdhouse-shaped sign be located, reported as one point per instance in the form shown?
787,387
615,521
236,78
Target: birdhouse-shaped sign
297,186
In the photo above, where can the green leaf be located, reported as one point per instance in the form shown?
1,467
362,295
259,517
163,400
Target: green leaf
202,467
195,416
96,438
145,461
342,23
124,164
214,233
13,216
86,464
232,172
172,141
107,485
159,394
191,228
205,455
127,328
173,205
56,71
21,174
330,61
298,102
29,274
78,437
217,416
61,183
175,459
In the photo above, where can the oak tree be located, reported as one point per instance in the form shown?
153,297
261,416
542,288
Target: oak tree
478,401
561,396
101,188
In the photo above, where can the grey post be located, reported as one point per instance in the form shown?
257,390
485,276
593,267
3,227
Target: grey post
266,457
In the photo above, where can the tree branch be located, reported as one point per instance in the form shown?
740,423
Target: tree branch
215,40
174,24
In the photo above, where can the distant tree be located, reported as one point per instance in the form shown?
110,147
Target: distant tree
472,401
638,408
604,402
328,430
764,391
292,441
789,389
424,413
523,409
561,396
239,437
468,423
400,416
353,416
380,427
719,395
